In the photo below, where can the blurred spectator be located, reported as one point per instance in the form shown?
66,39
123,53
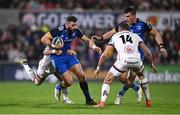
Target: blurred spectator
91,4
144,5
24,40
15,51
169,45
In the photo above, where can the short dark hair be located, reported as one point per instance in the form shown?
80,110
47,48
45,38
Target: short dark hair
130,9
71,19
123,26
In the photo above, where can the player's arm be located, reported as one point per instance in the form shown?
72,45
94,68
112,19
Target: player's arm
103,57
49,51
46,39
90,43
105,36
148,55
159,41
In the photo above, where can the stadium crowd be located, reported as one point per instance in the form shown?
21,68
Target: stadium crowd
81,5
24,41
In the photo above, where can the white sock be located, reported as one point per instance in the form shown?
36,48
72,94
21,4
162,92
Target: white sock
104,92
29,71
145,88
65,92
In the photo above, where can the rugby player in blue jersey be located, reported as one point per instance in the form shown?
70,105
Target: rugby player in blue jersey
45,68
141,28
64,63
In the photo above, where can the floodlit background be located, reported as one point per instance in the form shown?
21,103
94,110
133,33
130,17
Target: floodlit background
24,22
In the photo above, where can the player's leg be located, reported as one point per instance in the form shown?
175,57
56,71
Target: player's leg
139,92
65,91
78,71
36,79
65,95
145,87
105,89
144,84
114,72
128,82
61,68
67,82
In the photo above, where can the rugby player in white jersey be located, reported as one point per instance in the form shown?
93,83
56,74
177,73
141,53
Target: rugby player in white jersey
126,44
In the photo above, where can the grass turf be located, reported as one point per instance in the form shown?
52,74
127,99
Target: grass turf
24,97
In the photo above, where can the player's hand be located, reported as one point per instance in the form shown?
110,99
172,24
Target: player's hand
154,68
71,52
97,49
47,52
164,52
58,52
96,38
96,72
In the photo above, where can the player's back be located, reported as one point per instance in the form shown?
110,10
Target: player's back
126,43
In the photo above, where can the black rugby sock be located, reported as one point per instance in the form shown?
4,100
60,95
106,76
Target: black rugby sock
85,89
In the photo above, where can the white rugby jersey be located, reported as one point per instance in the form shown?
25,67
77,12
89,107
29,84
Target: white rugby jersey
126,44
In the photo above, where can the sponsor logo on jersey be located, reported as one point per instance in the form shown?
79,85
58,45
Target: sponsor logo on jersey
128,49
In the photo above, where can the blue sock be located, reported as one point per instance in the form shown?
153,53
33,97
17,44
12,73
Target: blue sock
123,90
59,86
135,87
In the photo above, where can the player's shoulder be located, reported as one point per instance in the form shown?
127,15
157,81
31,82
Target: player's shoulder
57,31
61,27
78,29
147,25
136,36
120,33
117,34
143,21
130,33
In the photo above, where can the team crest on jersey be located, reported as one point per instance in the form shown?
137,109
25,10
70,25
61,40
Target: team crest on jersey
73,34
128,49
138,27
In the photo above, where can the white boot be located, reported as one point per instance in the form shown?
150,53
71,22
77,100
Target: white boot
118,100
139,95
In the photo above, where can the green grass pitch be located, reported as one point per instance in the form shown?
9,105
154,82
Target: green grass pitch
25,97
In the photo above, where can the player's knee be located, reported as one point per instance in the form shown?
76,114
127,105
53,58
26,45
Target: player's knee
141,76
37,83
107,81
122,80
68,82
128,82
81,77
37,80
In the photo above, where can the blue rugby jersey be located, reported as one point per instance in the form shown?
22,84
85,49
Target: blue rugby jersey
140,28
67,37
